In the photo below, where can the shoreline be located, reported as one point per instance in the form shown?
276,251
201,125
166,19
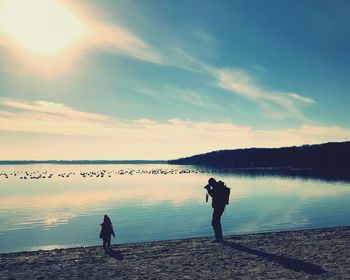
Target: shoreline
305,254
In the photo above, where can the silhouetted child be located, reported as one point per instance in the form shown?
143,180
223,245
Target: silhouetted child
106,232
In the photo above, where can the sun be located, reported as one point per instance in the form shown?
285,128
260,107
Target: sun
43,27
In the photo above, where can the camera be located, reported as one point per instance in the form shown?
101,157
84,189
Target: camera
206,195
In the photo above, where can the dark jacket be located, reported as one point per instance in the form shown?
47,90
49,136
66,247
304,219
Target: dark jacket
218,195
106,231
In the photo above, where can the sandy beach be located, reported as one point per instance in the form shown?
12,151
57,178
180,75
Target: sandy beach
306,254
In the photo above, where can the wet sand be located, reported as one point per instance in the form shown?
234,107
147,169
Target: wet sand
306,254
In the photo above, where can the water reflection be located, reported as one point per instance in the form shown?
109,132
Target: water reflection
329,175
61,211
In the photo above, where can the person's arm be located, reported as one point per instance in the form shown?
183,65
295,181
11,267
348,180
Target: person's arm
210,191
113,232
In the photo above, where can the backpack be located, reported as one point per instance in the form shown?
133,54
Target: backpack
225,193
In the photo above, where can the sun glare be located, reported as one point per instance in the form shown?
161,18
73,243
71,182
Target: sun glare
44,27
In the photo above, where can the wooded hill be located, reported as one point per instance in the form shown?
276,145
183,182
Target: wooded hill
322,156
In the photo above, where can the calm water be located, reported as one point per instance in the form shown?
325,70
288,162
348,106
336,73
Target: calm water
154,202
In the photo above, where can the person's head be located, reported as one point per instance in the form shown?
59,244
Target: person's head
106,219
212,182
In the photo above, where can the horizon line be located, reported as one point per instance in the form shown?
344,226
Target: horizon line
88,161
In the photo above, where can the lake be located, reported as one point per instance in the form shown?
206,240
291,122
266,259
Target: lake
46,206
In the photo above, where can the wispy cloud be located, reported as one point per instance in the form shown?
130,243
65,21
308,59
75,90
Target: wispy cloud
51,109
193,97
258,68
118,39
94,33
178,57
239,82
203,35
174,95
114,37
9,71
169,139
274,104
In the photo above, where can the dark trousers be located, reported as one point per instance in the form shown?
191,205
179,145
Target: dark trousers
216,223
106,241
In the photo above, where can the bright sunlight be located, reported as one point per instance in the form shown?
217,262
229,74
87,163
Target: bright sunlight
43,27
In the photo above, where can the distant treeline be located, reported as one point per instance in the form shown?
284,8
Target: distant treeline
6,162
322,156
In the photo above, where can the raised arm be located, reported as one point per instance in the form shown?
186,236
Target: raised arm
210,190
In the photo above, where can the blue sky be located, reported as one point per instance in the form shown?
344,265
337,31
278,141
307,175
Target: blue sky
165,79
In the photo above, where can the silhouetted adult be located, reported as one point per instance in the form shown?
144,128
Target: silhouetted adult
220,196
106,232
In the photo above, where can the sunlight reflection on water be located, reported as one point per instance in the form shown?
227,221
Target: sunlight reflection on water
161,202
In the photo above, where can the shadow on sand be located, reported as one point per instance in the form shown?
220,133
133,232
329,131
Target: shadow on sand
115,254
289,263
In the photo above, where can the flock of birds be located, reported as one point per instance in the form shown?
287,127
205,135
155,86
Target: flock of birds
24,175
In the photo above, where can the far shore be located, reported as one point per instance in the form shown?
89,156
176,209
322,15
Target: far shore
305,254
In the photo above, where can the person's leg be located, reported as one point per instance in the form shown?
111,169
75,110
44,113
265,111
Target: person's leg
216,222
220,211
104,244
109,243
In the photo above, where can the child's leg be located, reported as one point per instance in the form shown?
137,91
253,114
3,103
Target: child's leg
104,244
109,243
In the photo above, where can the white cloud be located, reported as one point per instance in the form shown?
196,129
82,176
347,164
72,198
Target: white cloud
177,57
108,137
276,103
118,39
50,108
101,35
190,96
174,95
258,68
94,33
9,71
203,35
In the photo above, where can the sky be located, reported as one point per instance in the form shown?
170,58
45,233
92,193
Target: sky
110,79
